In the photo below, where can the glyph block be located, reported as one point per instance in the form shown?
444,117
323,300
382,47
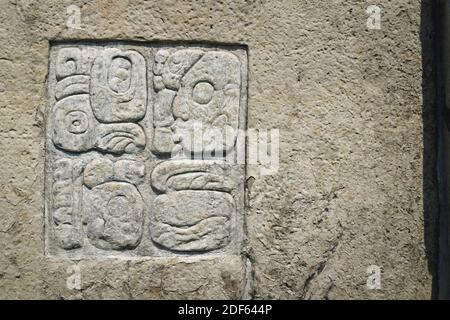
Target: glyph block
142,150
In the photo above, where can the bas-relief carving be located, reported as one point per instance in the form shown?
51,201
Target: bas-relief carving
194,212
66,206
118,86
120,139
196,89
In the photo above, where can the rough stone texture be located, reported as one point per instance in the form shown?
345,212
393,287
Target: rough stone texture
353,186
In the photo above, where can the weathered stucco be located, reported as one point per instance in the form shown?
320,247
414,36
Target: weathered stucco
353,188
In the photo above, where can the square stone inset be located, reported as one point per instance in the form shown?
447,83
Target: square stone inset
142,149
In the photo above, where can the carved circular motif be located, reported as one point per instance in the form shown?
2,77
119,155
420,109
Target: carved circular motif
76,122
203,92
120,205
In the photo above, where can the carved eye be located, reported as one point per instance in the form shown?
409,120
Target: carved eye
203,92
76,122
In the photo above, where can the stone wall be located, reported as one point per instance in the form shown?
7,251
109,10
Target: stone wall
355,182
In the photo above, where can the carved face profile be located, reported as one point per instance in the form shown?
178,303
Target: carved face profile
209,97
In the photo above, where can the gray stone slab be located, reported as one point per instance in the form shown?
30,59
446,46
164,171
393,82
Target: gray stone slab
141,150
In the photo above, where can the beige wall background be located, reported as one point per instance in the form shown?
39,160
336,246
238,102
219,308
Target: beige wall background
355,186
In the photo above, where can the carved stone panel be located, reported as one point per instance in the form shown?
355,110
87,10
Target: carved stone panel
141,149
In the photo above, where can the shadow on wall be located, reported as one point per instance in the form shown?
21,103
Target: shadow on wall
429,37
